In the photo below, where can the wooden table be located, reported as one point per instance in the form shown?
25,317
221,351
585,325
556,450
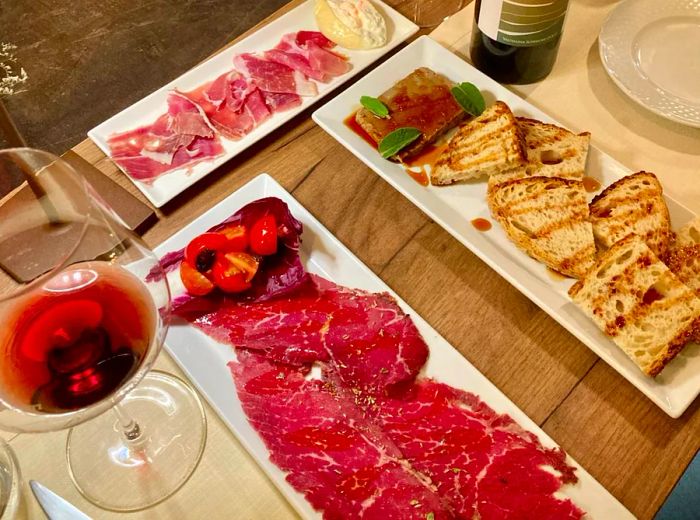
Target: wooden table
632,447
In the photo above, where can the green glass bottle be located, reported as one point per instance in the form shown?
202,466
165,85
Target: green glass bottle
516,41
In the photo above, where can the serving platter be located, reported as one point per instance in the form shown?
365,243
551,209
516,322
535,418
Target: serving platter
454,207
204,360
644,46
145,111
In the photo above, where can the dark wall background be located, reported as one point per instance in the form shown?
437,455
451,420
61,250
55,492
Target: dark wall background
89,59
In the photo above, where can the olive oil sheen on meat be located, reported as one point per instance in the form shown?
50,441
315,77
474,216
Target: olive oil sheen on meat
516,41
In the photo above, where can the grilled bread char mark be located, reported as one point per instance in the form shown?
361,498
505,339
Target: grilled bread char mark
635,299
547,217
485,145
551,151
684,262
633,204
423,100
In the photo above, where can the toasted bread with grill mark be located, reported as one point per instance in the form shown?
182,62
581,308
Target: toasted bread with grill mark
689,234
684,262
637,301
547,217
633,204
485,145
552,151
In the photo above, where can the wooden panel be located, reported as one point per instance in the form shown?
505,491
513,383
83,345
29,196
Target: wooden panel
533,360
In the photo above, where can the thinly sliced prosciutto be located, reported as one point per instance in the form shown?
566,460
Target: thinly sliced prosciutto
180,138
274,77
310,55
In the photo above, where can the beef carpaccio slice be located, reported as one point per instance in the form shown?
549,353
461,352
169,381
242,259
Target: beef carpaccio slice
483,463
371,343
342,463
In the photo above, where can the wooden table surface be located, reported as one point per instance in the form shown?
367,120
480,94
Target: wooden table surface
628,444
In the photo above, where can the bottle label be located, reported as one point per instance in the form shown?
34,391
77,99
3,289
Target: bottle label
522,23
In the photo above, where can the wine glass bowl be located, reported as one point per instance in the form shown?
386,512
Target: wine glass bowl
66,257
85,307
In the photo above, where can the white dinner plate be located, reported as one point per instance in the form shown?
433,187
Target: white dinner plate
145,111
651,50
453,208
204,360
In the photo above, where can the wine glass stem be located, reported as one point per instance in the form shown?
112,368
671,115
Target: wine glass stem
130,428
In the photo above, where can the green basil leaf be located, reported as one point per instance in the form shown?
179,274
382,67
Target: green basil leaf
430,516
375,106
397,140
470,98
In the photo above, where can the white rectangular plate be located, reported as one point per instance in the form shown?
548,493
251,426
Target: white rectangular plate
144,112
204,360
454,207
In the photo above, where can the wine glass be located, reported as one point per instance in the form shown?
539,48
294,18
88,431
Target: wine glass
84,305
427,13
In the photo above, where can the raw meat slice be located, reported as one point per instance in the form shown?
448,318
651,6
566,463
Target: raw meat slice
279,102
179,138
343,464
274,77
255,107
187,117
483,463
302,37
320,59
373,345
295,61
286,329
224,103
146,169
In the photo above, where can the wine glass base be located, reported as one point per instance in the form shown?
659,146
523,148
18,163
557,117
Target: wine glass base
121,475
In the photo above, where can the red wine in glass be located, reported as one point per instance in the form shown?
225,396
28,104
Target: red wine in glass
78,338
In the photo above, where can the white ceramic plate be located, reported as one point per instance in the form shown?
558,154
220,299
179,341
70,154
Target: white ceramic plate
144,112
651,50
204,360
453,208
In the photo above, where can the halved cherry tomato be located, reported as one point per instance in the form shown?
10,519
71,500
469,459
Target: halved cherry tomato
195,282
233,272
263,236
236,236
200,253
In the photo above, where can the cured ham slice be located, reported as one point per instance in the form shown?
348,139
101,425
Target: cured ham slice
314,53
342,463
483,463
223,101
274,77
280,102
180,138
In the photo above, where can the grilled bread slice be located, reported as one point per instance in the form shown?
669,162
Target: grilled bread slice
689,234
547,217
552,151
684,262
634,204
637,301
485,145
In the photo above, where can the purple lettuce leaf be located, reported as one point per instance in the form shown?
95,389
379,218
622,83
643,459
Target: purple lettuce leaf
278,274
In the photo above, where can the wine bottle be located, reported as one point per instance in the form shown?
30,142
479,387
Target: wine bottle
517,41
